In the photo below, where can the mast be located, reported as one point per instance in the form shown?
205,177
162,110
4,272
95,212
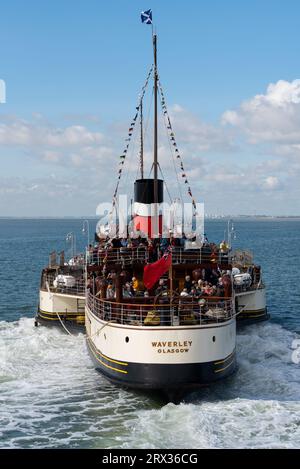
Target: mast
155,160
142,142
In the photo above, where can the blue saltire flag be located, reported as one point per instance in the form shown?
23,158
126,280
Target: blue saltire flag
146,17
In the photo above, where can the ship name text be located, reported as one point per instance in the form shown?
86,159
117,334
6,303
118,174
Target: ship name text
172,346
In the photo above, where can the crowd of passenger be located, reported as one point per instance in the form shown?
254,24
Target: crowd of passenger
153,247
211,284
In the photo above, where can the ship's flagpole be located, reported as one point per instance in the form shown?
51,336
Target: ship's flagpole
142,141
146,17
155,157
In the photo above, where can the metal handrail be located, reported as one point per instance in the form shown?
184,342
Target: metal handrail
78,290
128,255
183,313
253,287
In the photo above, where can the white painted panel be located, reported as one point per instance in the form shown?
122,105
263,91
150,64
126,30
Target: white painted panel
173,345
51,302
252,301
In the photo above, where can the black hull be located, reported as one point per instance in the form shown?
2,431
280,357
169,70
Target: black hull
71,325
173,380
248,318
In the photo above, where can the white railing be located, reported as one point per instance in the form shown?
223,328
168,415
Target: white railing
253,287
180,313
128,256
78,289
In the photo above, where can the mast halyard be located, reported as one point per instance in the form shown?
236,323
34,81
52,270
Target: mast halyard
155,160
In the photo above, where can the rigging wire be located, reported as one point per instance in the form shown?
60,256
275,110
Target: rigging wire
123,156
172,154
171,200
172,138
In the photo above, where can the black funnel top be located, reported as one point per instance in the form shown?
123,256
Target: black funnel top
144,191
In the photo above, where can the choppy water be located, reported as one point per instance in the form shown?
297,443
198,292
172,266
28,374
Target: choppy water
50,395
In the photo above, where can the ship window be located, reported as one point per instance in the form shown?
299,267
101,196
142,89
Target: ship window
127,340
214,338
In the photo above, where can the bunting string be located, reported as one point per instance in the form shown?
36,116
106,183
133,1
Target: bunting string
174,145
122,157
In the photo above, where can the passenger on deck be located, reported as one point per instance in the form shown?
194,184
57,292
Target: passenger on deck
127,291
200,287
151,252
214,277
220,289
164,244
184,292
223,247
110,292
202,306
176,242
161,287
183,240
136,285
188,283
207,289
194,293
124,242
116,242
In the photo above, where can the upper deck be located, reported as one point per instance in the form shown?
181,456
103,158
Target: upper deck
68,280
162,312
126,256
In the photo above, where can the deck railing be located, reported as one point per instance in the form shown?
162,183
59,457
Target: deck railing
180,313
253,287
48,284
127,256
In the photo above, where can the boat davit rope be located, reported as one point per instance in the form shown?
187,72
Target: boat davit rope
68,332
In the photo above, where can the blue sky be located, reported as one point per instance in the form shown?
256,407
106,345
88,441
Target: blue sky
81,64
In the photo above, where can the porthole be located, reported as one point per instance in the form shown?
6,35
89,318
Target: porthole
127,340
214,338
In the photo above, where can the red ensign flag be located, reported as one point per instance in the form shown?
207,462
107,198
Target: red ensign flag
153,272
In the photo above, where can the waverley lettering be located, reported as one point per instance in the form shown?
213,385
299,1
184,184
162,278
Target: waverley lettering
172,346
114,459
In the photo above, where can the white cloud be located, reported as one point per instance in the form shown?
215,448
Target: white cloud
273,117
202,136
25,133
271,183
87,161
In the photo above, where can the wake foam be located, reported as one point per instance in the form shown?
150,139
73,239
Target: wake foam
51,396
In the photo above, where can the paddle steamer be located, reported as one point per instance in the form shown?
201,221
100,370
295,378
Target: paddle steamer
62,294
161,337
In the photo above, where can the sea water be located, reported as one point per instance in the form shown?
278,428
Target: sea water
51,396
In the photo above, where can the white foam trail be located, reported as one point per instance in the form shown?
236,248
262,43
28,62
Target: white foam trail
51,396
258,407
